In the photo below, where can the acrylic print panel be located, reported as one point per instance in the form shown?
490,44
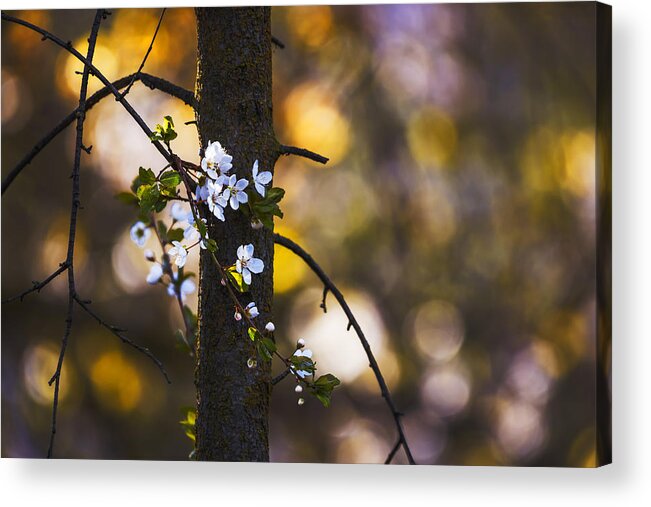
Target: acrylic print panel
231,213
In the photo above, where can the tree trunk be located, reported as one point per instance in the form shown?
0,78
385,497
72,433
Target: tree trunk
234,95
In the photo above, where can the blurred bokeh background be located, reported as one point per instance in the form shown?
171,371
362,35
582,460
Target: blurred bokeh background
457,215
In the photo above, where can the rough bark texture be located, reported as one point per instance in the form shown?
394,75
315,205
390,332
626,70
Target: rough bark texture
234,107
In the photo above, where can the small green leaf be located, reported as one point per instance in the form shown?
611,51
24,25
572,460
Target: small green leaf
170,179
127,198
254,334
211,244
323,386
148,196
175,234
236,279
189,422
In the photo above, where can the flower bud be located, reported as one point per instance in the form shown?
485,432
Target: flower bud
223,282
149,255
270,327
238,316
301,401
298,389
256,224
300,343
252,362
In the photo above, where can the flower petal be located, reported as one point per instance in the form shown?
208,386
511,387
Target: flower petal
249,251
264,177
255,265
246,276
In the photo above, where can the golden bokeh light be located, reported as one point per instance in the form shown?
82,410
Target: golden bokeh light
336,350
310,24
519,428
39,364
289,269
314,120
359,442
116,381
446,389
565,161
438,330
432,137
67,78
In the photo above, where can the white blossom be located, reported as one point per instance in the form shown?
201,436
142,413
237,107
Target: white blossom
260,180
235,193
270,327
155,274
187,287
178,253
201,193
251,310
300,343
180,213
247,264
298,389
303,353
216,200
140,233
216,161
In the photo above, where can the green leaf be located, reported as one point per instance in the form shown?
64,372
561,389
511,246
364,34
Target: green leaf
189,421
266,347
303,363
164,132
170,179
127,198
265,208
180,341
323,386
175,234
211,244
148,196
254,334
236,279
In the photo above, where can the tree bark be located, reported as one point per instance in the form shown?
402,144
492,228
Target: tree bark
235,108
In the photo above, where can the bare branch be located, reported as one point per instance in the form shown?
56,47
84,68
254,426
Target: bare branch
276,41
393,452
323,299
68,47
280,376
307,258
74,208
151,45
302,152
151,82
118,332
37,286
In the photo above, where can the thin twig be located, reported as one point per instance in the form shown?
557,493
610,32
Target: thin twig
122,100
314,266
280,376
277,42
393,452
302,152
81,116
323,299
151,45
118,332
151,82
37,286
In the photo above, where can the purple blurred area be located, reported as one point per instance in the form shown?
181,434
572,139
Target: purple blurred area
457,215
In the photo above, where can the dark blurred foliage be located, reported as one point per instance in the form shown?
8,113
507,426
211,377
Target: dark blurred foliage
457,215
